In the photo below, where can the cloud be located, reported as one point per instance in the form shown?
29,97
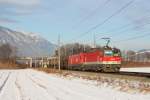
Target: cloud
18,7
15,8
20,2
7,20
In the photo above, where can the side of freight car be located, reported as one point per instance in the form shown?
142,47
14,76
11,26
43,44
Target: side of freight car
85,61
75,61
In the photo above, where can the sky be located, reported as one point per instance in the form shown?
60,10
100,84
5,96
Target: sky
75,20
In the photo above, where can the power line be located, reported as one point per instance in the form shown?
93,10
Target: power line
130,29
121,32
59,52
107,19
133,38
93,12
122,27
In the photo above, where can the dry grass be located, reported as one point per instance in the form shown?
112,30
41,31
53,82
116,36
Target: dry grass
9,64
135,64
49,70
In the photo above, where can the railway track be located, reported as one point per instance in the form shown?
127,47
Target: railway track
122,74
138,74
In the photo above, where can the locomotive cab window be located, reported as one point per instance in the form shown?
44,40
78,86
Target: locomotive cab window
116,52
108,53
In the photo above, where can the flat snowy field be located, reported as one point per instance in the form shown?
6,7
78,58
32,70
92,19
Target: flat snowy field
34,85
136,69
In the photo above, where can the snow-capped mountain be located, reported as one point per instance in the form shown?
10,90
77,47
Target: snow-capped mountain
27,44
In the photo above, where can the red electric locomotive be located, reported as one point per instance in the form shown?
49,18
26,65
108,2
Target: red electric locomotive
105,60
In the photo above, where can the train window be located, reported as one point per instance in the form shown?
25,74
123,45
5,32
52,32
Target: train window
108,53
116,52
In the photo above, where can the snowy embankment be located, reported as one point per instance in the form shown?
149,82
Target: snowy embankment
34,85
136,69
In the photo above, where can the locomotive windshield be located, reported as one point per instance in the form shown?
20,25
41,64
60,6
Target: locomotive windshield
108,53
112,53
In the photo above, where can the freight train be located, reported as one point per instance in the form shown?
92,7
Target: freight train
105,60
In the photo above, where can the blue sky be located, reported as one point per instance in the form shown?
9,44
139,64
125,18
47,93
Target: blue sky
71,18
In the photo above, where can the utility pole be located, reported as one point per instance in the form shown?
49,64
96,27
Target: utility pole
94,41
30,62
59,52
35,63
84,47
42,62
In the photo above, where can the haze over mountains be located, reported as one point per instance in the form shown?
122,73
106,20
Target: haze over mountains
27,44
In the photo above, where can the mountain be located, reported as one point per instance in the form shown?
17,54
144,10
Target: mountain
144,50
27,44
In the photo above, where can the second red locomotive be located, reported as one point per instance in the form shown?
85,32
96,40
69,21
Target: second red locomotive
106,60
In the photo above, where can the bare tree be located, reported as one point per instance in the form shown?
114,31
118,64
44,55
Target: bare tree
7,51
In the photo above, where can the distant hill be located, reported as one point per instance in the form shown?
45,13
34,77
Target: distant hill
144,50
27,44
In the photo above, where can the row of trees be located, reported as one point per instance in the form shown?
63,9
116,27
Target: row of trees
7,51
133,56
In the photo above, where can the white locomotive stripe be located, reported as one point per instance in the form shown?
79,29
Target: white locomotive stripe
92,63
104,62
111,62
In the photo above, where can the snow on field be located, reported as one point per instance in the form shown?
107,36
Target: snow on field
136,69
34,85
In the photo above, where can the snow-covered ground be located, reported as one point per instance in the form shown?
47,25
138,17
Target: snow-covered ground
136,69
34,85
